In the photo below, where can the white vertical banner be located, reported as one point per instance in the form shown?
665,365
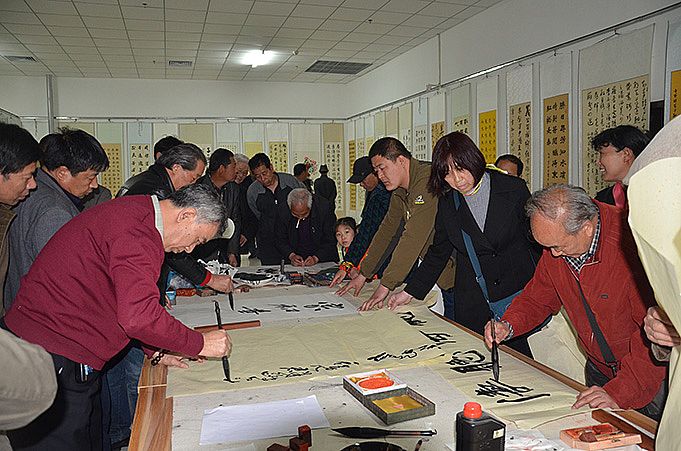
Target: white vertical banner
460,101
306,146
436,120
228,136
420,136
405,125
520,114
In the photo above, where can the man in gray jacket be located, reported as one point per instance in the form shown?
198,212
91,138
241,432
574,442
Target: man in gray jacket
71,161
269,190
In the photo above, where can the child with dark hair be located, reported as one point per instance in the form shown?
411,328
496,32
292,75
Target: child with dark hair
346,229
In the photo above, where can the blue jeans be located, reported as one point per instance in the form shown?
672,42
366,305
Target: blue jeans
122,378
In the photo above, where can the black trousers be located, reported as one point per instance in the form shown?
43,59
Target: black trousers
652,410
73,422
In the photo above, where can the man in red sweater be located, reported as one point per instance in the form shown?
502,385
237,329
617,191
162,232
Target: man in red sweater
93,288
590,266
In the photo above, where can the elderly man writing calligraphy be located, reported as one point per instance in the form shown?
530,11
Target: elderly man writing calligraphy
84,303
590,266
306,229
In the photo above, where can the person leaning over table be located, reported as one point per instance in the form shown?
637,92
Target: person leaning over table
375,209
590,266
85,303
489,206
407,229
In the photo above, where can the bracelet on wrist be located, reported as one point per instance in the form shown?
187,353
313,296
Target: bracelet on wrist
157,359
510,330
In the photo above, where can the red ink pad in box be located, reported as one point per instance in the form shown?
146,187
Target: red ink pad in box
374,382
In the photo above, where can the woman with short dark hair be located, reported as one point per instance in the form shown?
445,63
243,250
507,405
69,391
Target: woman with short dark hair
487,206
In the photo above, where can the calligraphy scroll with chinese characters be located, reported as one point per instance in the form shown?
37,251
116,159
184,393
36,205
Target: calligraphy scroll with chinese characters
462,124
140,158
352,156
675,95
622,103
279,155
437,131
520,136
421,142
488,135
361,194
333,156
556,140
112,178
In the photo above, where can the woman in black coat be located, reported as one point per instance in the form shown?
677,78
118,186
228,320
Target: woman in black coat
490,207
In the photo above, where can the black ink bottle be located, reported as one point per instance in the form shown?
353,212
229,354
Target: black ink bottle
477,431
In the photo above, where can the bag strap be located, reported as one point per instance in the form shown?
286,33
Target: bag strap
598,334
472,256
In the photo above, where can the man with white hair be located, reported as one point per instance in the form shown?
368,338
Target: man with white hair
590,266
305,231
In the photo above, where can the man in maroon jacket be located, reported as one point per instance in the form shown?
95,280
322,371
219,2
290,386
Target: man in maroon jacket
93,288
590,266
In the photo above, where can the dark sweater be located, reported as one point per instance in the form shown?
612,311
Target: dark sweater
86,302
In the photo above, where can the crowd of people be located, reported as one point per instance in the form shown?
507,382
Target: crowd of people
84,277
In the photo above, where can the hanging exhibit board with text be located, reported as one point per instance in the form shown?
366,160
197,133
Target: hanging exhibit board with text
140,148
229,136
460,107
369,136
421,143
360,151
392,123
352,156
253,136
306,146
110,136
520,110
436,118
614,91
163,129
556,116
672,82
405,124
276,135
202,135
487,125
332,136
379,124
486,100
555,84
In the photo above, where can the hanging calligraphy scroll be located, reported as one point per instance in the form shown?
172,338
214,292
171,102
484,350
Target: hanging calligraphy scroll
279,155
421,142
462,124
556,140
622,103
352,156
437,131
520,136
675,95
488,135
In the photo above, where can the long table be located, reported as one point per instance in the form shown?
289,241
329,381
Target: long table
163,423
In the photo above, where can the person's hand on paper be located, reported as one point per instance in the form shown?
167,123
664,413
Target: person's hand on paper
355,284
660,329
340,275
397,299
311,260
501,330
222,283
376,299
295,259
216,343
596,398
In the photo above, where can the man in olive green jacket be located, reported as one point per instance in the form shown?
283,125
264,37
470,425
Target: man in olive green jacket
407,229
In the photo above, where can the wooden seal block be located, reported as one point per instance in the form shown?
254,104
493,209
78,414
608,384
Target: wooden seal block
600,436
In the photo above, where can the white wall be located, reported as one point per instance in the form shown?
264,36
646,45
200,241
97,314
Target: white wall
103,97
509,30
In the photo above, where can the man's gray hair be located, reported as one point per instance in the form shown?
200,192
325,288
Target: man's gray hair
186,155
569,204
241,158
209,208
299,196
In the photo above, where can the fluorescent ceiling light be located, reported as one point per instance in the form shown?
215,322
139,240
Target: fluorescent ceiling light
256,58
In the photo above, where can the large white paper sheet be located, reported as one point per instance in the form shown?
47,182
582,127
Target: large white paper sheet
259,421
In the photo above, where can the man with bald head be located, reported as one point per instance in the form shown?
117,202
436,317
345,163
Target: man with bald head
590,266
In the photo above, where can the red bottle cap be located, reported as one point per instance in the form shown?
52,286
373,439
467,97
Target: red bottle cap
472,410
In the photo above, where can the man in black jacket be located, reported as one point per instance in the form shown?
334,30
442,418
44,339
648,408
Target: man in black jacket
264,196
220,178
325,187
305,232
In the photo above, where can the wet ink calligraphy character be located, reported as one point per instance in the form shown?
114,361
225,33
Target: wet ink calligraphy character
507,393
